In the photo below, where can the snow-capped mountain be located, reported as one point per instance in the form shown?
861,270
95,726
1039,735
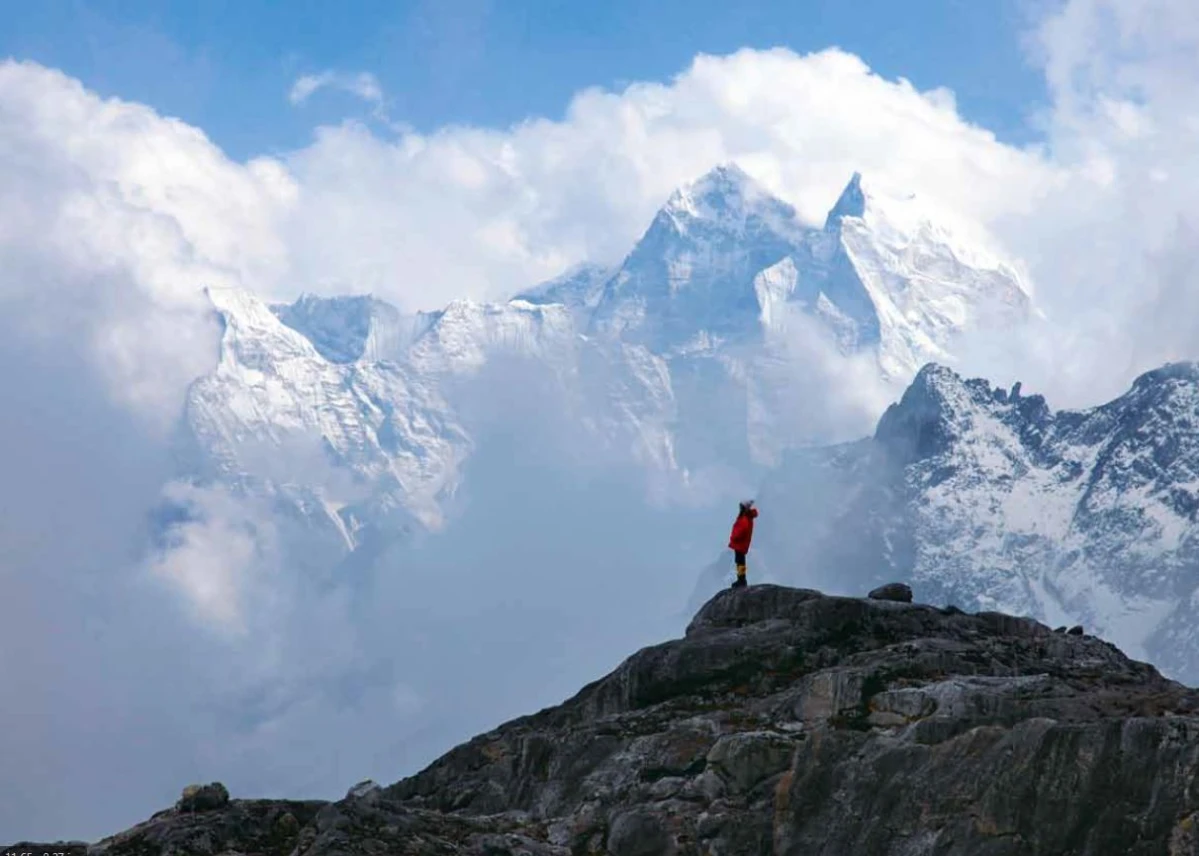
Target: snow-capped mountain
723,261
987,498
314,417
579,290
888,272
691,275
678,360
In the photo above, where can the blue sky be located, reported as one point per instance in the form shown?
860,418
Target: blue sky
112,219
227,65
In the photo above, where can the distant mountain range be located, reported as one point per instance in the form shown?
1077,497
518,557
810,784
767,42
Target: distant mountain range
735,349
354,418
989,499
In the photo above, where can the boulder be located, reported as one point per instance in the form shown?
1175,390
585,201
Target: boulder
899,592
203,797
362,789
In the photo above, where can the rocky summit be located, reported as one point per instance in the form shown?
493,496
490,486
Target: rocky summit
786,721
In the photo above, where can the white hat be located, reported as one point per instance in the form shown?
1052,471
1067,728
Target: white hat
748,503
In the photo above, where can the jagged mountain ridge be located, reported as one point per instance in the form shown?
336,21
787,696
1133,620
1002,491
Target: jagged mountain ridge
785,721
274,396
987,497
665,361
882,273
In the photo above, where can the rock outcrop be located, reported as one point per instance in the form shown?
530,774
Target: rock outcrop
899,592
203,797
788,722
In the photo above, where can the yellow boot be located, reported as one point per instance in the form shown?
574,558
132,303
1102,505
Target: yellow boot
740,581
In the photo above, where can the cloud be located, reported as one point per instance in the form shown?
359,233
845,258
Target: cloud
216,553
112,218
362,85
1112,239
485,212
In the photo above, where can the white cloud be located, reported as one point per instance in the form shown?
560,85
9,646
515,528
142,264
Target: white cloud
1111,240
218,555
362,85
481,212
113,217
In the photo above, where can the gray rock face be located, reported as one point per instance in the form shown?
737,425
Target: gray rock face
363,789
899,592
790,722
259,827
203,797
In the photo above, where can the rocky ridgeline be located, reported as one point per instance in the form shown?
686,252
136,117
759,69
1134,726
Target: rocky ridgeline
786,722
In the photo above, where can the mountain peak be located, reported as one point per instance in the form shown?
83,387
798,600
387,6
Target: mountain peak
726,740
1186,371
851,202
693,270
348,328
885,206
722,178
937,407
725,192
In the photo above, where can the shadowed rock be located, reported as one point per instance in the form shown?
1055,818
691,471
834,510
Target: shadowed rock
203,797
789,722
900,592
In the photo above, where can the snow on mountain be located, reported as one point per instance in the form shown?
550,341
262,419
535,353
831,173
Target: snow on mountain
274,397
726,282
466,334
691,274
357,327
578,289
348,412
989,499
928,284
682,358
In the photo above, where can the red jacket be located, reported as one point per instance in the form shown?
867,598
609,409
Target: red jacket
743,531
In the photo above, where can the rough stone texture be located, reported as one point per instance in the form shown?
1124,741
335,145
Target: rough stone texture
788,722
900,592
203,797
363,789
250,827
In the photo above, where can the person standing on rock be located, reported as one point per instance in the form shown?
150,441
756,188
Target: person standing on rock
743,533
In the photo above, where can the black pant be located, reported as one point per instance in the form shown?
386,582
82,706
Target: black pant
738,557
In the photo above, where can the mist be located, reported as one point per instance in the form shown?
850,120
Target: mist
147,652
98,679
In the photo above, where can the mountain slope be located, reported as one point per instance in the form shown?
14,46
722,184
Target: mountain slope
790,722
723,258
987,497
351,328
692,271
927,285
682,359
578,289
275,407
